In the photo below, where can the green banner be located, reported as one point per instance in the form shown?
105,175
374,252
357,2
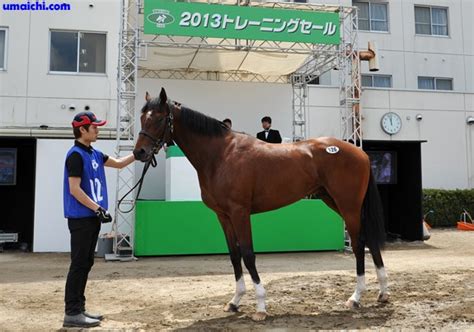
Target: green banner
166,17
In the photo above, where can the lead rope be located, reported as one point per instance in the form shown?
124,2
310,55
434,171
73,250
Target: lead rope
151,162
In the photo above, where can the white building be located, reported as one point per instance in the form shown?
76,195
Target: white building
54,64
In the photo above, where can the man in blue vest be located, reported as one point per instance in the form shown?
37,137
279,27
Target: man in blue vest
85,207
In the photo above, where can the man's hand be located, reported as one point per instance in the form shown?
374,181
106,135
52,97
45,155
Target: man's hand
103,215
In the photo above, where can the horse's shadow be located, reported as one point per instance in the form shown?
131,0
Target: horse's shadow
205,315
364,318
294,305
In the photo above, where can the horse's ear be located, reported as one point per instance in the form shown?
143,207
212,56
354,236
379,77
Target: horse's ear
147,96
163,97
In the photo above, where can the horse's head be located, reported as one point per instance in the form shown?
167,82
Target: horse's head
157,127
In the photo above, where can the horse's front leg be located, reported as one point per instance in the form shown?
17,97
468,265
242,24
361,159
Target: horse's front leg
242,227
236,259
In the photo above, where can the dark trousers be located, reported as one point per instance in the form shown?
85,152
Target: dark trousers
84,234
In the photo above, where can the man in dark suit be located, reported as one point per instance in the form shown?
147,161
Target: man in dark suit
269,135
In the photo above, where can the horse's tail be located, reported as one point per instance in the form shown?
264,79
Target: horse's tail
372,232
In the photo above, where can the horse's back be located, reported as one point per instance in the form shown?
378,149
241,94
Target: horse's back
319,152
334,149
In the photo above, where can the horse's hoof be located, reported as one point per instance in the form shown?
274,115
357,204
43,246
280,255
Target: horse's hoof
230,307
351,304
259,316
383,297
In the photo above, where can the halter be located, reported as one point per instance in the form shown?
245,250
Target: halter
157,145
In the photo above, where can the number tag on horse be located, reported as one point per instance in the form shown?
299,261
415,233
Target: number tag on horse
332,149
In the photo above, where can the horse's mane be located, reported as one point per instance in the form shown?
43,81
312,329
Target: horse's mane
202,124
194,121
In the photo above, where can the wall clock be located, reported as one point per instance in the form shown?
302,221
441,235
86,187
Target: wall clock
391,123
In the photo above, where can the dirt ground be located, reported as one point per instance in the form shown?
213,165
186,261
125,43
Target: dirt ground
432,287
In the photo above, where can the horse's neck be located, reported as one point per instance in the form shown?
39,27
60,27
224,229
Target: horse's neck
202,152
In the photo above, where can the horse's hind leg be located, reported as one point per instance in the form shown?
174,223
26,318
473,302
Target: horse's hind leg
241,224
359,251
358,247
236,259
384,294
349,200
328,200
351,218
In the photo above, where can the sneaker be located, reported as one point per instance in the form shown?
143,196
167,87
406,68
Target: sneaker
79,320
93,316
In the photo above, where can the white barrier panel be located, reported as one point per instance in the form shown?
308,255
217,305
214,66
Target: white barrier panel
182,182
51,232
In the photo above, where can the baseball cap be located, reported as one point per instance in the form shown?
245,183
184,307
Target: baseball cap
85,118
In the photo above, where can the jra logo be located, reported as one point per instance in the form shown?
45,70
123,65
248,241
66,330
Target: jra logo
161,18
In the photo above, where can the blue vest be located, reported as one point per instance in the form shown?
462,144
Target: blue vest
92,182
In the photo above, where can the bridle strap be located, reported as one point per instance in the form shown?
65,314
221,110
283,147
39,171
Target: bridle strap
157,145
154,140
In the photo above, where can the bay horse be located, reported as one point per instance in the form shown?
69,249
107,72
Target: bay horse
240,175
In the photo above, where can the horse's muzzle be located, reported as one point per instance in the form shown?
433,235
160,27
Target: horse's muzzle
142,155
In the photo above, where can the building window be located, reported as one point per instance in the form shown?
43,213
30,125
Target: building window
77,52
3,48
372,16
377,81
435,83
431,21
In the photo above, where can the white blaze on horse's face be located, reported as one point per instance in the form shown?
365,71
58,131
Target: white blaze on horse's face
147,121
153,122
145,141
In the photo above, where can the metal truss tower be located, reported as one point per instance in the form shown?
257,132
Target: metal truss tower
321,58
123,224
349,79
300,107
343,57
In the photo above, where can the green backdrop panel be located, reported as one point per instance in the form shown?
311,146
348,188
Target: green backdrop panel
183,228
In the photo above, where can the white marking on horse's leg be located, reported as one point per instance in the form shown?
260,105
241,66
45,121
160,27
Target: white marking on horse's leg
383,282
382,278
260,294
239,291
360,288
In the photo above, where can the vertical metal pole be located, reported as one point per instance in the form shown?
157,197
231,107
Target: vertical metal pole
300,107
123,224
349,78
